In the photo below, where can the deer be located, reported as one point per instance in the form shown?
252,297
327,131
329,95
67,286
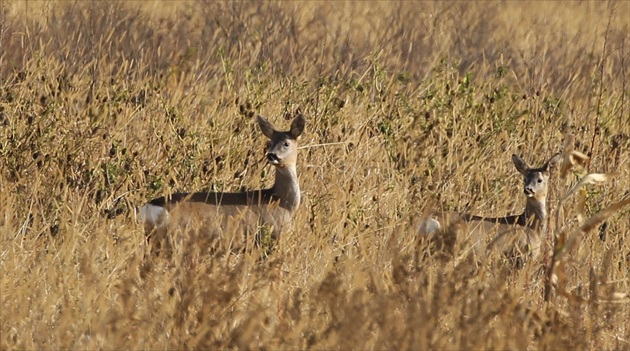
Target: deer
517,235
213,214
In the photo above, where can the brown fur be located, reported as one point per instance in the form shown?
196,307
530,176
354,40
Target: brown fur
514,235
214,215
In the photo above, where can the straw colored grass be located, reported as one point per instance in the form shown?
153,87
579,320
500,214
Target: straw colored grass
409,106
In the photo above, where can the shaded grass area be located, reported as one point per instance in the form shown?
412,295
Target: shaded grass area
410,106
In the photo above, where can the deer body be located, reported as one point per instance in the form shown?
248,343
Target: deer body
515,232
212,214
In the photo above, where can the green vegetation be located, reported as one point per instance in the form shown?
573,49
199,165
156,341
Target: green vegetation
410,106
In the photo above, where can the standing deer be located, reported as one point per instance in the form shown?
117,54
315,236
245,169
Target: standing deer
511,233
212,214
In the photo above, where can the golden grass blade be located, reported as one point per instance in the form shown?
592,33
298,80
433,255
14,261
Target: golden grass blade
566,164
570,157
577,235
593,178
581,205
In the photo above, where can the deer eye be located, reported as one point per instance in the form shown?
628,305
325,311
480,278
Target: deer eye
286,144
540,180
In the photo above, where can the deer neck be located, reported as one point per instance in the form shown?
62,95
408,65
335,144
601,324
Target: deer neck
535,213
287,188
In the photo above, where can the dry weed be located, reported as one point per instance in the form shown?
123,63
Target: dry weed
104,105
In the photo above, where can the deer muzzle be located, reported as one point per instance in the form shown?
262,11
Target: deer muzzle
529,192
273,158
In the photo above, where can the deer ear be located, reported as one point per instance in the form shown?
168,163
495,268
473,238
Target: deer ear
266,127
297,126
552,162
520,165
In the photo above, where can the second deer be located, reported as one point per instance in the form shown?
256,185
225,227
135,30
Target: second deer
515,232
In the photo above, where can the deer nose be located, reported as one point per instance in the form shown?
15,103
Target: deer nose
528,191
273,158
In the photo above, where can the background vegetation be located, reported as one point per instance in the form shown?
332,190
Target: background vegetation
410,106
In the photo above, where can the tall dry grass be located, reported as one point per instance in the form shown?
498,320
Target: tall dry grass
104,105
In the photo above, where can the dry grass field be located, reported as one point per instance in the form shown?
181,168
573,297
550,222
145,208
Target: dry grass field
410,106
